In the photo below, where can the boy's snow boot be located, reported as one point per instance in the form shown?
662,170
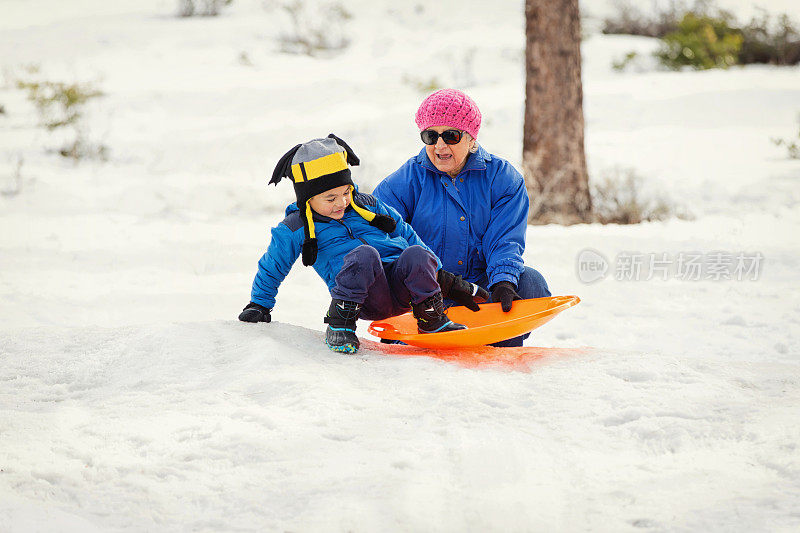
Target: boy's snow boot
431,317
341,319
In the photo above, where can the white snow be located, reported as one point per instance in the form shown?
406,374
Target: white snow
131,399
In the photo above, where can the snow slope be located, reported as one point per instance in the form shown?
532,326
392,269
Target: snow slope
131,399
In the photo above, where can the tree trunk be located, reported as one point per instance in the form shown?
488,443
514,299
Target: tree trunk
553,159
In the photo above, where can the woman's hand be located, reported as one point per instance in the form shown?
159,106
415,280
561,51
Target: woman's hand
505,292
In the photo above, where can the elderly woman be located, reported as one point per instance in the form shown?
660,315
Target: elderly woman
469,206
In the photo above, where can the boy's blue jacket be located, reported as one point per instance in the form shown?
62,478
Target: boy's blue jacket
475,223
335,238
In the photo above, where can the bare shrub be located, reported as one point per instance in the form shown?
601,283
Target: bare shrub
776,43
80,148
313,30
423,85
201,8
632,20
13,177
244,59
618,199
792,145
546,193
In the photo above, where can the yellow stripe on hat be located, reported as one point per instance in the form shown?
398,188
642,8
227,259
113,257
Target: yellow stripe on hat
365,214
320,167
310,218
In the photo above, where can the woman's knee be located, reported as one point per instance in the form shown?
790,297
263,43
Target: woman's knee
532,284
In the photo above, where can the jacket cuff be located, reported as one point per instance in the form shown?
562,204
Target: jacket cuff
269,304
504,273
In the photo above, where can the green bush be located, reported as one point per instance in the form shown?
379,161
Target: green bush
622,64
701,42
423,85
704,36
61,105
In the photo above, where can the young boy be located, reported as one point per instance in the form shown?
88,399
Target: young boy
373,262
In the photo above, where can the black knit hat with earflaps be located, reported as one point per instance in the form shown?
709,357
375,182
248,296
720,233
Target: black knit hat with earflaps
315,167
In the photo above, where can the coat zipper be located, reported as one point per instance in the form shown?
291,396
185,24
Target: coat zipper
349,232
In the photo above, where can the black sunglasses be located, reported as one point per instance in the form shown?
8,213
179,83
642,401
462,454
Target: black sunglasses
448,136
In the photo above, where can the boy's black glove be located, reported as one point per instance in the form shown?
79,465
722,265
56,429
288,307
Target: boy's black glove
460,291
505,292
255,313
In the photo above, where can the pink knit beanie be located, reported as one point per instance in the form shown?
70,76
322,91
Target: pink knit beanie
449,107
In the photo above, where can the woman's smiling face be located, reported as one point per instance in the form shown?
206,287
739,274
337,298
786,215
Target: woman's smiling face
449,158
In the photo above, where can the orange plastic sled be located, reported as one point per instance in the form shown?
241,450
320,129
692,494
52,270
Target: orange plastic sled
486,326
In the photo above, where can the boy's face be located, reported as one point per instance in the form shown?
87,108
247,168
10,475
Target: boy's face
332,202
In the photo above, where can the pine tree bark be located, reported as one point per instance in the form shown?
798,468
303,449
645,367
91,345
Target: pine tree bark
553,158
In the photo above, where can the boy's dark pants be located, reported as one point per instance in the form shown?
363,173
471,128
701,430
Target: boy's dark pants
386,289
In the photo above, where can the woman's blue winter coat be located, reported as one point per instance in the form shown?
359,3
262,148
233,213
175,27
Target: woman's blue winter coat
335,238
474,222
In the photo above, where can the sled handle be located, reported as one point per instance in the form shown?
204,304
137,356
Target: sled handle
383,327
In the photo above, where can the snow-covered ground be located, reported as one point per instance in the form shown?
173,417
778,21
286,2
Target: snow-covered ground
132,399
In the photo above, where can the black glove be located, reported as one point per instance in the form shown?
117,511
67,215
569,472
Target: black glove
460,291
505,292
255,313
